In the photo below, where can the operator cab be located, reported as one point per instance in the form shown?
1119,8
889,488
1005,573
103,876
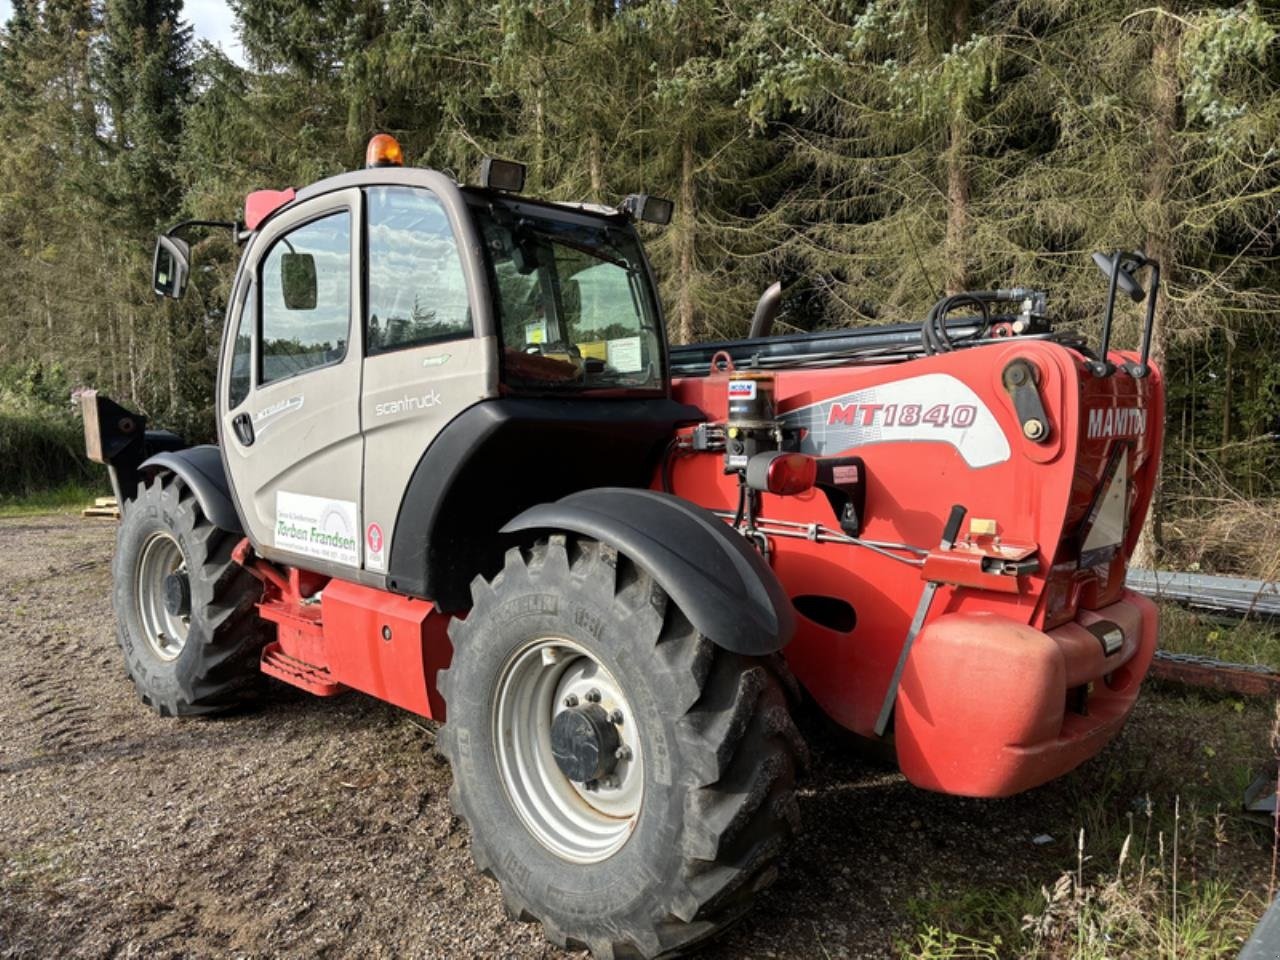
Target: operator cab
408,361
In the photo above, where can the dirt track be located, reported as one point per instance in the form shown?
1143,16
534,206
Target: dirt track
322,828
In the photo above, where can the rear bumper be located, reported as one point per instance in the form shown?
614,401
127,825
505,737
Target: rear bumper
990,707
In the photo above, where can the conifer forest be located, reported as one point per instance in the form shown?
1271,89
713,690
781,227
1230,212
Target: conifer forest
871,154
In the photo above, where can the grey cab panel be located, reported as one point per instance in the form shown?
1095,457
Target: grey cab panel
424,362
290,430
335,378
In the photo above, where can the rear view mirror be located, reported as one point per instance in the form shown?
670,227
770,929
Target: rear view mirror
171,267
1124,274
298,281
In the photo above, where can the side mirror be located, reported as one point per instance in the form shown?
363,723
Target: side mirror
1124,274
298,281
171,267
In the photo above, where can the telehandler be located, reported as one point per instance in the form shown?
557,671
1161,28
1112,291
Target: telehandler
460,469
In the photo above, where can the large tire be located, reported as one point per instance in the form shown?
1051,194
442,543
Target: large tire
203,657
716,746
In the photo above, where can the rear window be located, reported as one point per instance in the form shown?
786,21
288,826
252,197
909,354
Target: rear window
574,303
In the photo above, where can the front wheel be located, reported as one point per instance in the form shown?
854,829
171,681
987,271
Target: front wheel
628,783
185,613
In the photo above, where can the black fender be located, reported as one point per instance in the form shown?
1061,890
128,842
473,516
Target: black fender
501,456
723,585
202,470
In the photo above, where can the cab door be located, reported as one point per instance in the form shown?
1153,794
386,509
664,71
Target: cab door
424,362
291,418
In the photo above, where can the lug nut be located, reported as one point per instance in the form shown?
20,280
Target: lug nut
593,696
623,752
571,700
616,716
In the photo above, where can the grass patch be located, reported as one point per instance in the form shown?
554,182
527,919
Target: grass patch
70,497
41,449
1157,859
1161,894
1238,641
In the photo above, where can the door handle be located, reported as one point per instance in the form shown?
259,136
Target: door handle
243,426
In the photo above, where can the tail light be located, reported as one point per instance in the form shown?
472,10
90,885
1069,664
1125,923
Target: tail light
784,474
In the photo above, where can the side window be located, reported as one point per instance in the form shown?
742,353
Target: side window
305,287
238,387
417,290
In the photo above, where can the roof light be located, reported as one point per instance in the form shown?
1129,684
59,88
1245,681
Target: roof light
641,206
506,175
383,151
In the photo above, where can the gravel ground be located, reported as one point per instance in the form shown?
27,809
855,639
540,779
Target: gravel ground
322,828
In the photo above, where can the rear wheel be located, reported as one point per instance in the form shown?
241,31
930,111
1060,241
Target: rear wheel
629,784
185,610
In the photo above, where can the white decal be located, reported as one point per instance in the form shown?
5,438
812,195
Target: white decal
407,404
267,415
742,389
1111,520
934,407
624,354
318,527
846,474
1117,422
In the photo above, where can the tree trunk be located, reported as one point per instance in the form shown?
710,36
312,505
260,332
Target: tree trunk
133,357
540,133
957,173
595,162
1159,245
688,214
1227,389
171,356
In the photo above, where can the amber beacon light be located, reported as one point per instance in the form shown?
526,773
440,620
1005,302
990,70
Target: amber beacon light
384,151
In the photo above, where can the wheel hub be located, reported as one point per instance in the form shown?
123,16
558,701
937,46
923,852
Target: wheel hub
585,743
163,591
177,594
569,749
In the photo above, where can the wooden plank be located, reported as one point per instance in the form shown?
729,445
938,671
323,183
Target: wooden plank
1224,677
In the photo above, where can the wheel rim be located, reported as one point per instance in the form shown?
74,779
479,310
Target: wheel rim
166,631
578,822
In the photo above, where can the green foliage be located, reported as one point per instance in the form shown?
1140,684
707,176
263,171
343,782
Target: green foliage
874,153
71,496
39,451
41,440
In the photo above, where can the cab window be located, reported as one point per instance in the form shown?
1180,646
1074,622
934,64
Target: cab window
417,290
305,291
238,382
573,299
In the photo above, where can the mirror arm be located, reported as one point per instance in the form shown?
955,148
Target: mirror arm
235,226
1102,366
1142,368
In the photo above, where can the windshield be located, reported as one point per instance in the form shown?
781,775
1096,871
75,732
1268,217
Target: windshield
573,301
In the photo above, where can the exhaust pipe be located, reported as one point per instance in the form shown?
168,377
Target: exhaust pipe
766,311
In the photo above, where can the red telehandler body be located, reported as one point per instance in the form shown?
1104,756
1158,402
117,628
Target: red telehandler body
461,470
